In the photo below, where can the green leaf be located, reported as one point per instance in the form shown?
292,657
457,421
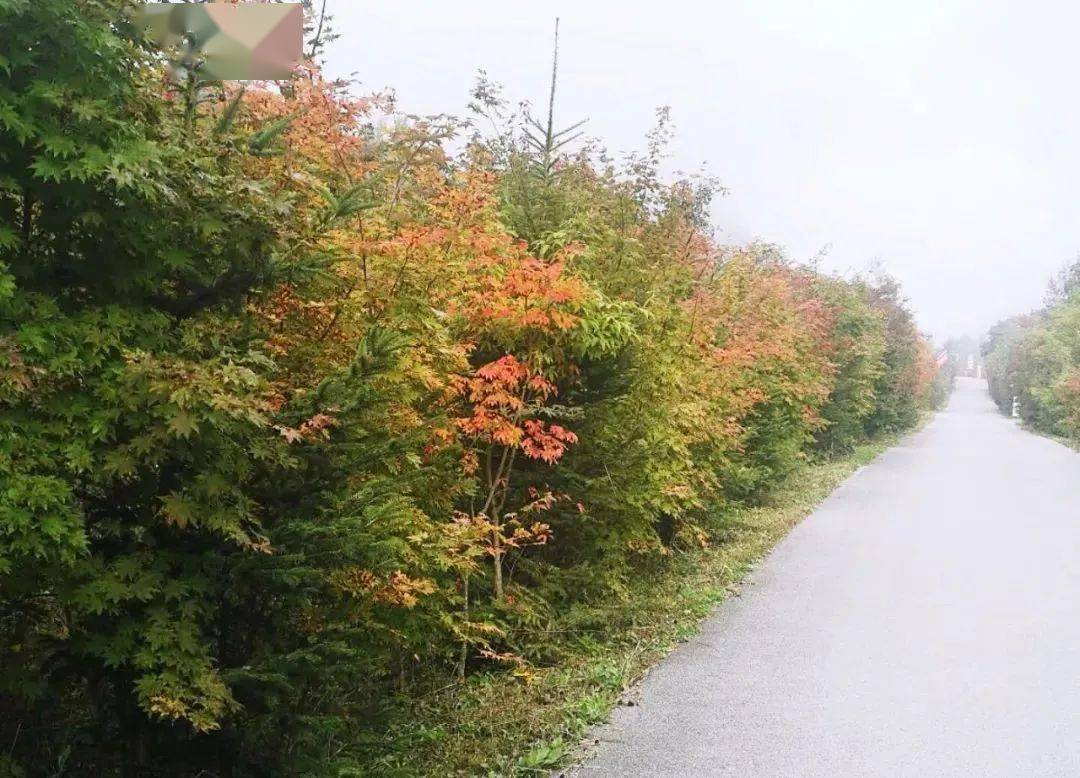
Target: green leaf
177,510
260,141
49,169
183,424
8,237
228,116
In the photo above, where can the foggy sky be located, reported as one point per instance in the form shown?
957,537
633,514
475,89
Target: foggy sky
942,138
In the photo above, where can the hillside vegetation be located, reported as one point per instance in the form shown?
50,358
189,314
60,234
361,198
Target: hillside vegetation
308,417
1035,359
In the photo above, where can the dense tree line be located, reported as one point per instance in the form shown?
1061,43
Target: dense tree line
302,414
1035,359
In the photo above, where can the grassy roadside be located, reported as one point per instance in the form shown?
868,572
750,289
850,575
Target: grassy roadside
1042,433
493,725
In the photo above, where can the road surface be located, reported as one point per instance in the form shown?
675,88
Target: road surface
923,621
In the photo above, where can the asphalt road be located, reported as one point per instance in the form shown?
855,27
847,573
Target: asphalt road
923,621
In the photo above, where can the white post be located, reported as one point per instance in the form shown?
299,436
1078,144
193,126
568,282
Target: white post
1016,408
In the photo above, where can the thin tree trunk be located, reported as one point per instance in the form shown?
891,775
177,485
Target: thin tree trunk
498,555
464,639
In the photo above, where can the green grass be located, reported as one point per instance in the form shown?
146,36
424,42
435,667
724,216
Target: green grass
492,724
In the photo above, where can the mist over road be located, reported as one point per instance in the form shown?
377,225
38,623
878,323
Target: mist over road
924,620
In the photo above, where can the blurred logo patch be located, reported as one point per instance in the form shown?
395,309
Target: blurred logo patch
228,42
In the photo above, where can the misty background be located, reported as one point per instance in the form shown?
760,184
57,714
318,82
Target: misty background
939,138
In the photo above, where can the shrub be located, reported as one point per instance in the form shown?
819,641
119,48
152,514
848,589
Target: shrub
303,417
